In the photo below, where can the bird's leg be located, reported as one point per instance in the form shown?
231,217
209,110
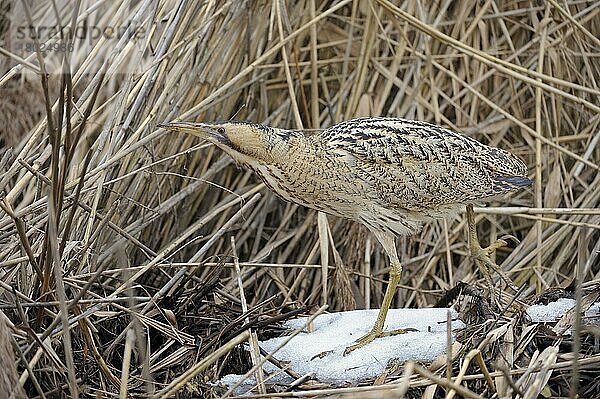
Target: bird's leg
377,330
483,255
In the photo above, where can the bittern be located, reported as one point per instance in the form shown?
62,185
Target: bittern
392,175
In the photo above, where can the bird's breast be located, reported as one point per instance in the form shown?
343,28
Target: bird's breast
317,181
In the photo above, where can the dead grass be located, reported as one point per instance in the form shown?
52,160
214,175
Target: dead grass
116,262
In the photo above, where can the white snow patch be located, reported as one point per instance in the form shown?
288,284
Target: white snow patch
593,313
321,351
245,387
553,311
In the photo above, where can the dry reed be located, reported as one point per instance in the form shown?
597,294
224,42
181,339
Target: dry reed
117,271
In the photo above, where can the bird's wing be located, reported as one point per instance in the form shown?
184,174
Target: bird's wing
416,164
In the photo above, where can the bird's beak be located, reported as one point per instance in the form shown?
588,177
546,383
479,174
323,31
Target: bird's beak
202,130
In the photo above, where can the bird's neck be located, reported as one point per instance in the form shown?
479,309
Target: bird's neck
288,148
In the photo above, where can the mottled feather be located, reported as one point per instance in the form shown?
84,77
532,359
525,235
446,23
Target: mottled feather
432,166
390,174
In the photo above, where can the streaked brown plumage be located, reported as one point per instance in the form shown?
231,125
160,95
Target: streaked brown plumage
392,175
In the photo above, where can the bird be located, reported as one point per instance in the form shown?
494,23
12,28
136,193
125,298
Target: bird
390,174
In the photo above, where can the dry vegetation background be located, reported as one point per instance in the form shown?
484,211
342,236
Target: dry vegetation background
117,241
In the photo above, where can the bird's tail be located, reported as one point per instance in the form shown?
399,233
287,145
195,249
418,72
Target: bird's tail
512,182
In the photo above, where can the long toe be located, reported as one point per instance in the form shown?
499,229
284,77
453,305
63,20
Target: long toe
397,332
511,240
372,335
484,262
362,341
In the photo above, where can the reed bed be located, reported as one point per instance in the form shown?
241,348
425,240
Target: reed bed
119,243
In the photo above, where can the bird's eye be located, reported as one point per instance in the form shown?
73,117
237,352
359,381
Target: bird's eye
221,130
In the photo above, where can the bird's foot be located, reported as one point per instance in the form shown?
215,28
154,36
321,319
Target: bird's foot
484,254
372,335
483,257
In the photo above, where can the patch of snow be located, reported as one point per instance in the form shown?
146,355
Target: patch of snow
553,311
321,351
245,387
593,314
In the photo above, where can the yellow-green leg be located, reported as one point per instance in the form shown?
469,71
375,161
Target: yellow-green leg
395,272
482,256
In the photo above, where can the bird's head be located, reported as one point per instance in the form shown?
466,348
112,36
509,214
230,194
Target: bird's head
245,142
